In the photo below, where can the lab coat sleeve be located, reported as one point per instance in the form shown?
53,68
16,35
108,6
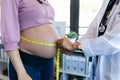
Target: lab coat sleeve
108,44
90,35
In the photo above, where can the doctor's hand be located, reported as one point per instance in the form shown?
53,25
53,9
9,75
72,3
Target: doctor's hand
66,46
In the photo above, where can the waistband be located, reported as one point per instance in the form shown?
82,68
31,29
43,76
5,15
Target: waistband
33,60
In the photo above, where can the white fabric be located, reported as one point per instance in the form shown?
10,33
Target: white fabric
106,46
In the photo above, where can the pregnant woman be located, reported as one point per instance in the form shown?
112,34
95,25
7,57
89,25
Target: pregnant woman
29,37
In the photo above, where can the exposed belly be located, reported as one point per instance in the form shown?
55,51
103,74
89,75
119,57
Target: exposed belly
44,33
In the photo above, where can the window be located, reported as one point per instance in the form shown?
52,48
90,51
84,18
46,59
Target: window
88,10
62,11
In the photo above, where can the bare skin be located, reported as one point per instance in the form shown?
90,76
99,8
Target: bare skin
44,33
18,65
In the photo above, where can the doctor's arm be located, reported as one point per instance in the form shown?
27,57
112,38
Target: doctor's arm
66,46
107,44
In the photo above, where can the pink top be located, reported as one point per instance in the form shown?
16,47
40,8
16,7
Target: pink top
18,15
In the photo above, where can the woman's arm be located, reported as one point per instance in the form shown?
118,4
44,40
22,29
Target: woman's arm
18,65
10,32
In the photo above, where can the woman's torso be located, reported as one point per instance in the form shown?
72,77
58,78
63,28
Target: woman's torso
44,33
36,21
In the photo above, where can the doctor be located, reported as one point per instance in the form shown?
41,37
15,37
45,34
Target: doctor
102,39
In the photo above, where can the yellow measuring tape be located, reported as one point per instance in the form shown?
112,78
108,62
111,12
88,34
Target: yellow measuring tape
47,44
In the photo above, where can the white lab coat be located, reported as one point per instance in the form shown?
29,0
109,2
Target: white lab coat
106,46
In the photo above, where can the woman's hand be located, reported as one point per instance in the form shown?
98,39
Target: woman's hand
18,65
24,76
66,46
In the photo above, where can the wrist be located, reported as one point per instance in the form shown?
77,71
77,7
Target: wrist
21,72
26,76
77,46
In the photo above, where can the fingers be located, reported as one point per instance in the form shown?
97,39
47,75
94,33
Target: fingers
66,51
62,50
65,45
59,43
76,44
